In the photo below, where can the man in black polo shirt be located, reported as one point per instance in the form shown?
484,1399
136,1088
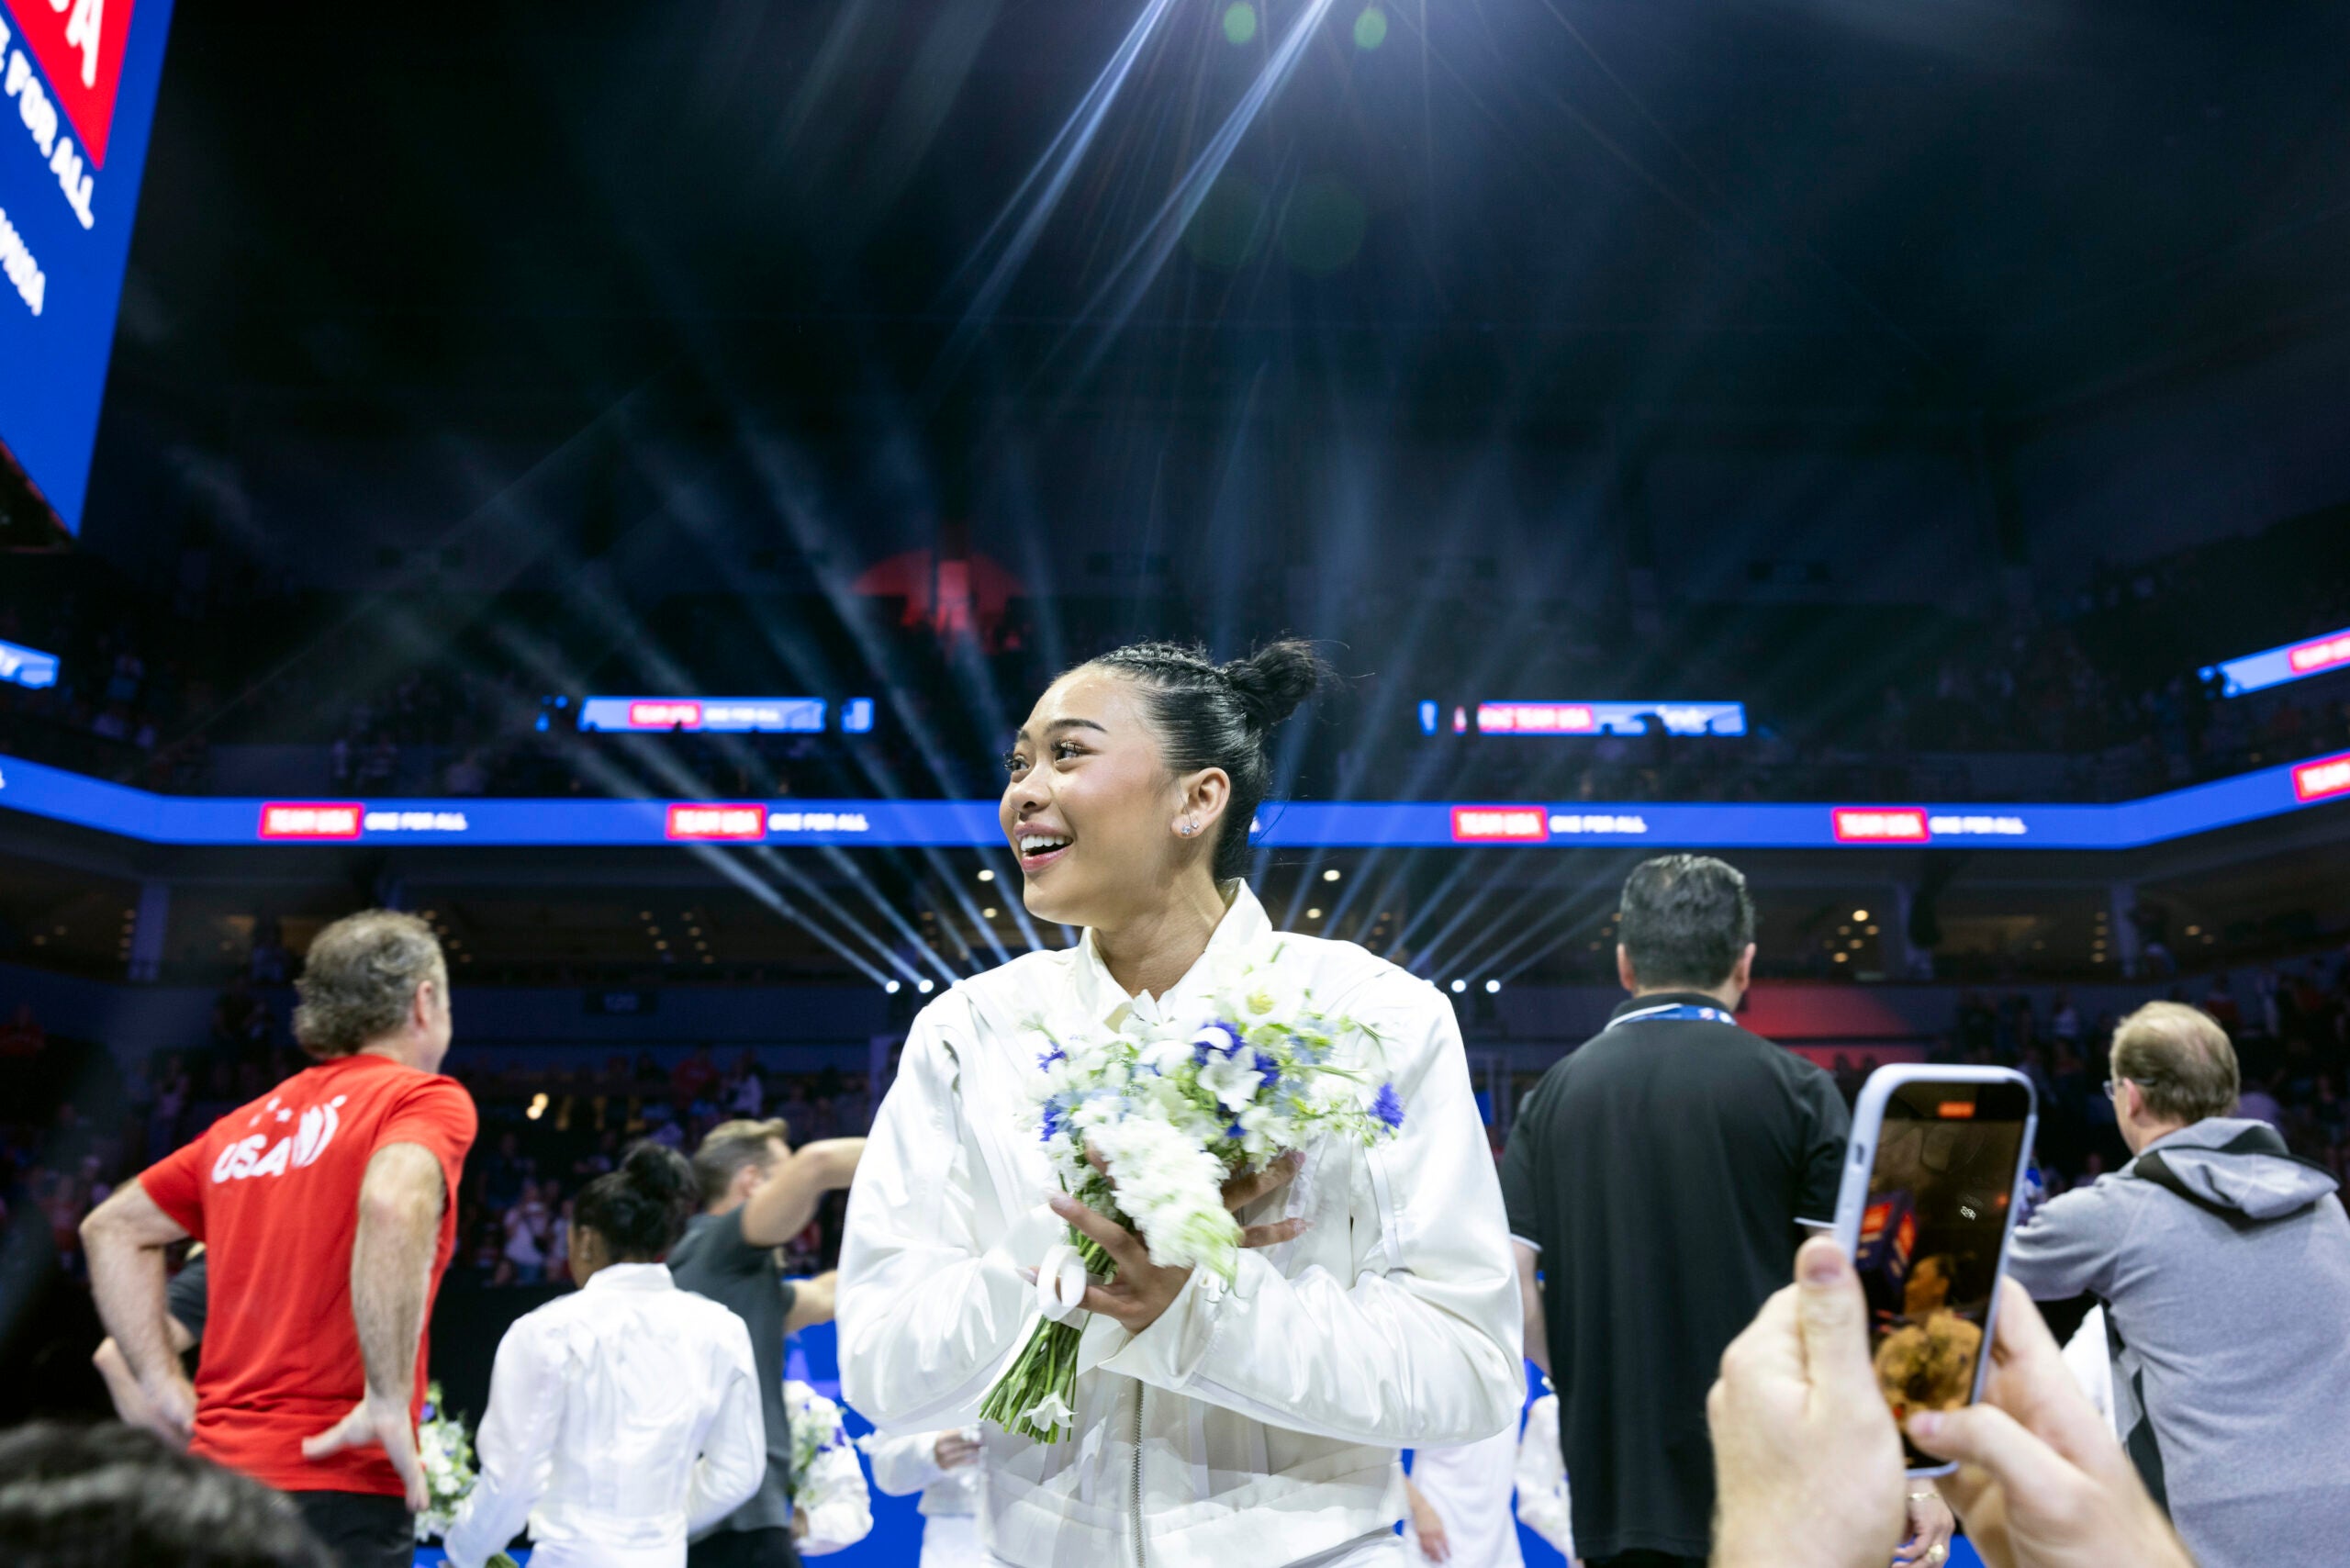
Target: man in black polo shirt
1661,1177
758,1194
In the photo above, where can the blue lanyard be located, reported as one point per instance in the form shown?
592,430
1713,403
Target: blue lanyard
1678,1011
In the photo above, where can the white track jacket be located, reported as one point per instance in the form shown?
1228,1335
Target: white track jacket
1249,1427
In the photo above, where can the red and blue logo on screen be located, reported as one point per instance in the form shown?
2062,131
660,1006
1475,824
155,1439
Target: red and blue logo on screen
79,44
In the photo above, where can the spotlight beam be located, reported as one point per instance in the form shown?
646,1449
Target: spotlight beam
1135,271
788,494
1056,167
658,760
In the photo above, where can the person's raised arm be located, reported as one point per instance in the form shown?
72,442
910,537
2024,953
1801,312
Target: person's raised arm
391,1279
931,1310
1530,1293
516,1446
812,1302
123,1239
785,1203
1423,1347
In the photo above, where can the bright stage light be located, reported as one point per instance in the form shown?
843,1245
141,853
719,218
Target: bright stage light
925,986
1240,22
1860,914
1493,987
1370,28
1331,875
1459,986
1313,914
986,875
892,987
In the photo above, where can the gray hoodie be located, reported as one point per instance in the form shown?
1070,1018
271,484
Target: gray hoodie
2224,1265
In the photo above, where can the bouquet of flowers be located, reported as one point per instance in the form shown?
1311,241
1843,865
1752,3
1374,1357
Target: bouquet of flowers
816,1429
1144,1124
446,1450
827,1483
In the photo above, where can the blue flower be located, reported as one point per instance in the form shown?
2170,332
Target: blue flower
1387,1107
1056,1054
1268,1070
1215,1040
1233,1131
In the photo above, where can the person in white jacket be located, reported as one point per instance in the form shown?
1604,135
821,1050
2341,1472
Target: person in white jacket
1377,1303
945,1468
625,1416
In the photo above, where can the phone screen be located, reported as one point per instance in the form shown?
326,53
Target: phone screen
1932,1230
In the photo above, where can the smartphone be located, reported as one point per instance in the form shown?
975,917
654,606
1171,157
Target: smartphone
1932,1181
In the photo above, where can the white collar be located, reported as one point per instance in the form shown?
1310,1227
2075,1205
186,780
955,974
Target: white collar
632,1277
1100,996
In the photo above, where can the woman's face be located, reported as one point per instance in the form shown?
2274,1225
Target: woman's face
1089,807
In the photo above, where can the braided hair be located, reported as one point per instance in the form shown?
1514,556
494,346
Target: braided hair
1212,715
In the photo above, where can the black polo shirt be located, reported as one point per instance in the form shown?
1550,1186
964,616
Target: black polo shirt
1661,1169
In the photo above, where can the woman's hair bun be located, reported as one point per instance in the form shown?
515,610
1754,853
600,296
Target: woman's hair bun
659,1172
1274,681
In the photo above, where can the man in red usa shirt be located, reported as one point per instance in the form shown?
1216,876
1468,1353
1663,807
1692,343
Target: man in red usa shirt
327,1210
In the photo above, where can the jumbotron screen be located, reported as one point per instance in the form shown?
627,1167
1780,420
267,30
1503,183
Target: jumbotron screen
80,77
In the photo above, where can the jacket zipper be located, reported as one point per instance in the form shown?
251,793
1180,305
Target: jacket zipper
1142,1393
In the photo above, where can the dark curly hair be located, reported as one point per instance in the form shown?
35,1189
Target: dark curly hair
1212,715
641,1209
104,1497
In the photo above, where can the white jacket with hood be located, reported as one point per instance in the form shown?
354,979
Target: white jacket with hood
1249,1426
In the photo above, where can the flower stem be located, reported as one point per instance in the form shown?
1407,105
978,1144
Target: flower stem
1047,1364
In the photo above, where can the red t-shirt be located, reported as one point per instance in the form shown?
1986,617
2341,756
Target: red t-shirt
272,1189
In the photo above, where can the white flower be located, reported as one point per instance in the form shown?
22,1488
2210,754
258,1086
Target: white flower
1166,1057
1050,1411
1267,993
1233,1080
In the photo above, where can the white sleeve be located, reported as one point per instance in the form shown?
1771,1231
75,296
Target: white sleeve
834,1502
1544,1504
903,1464
1423,1349
931,1311
733,1458
515,1445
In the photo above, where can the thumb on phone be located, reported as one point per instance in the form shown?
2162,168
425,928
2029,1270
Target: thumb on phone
1832,1319
1989,1438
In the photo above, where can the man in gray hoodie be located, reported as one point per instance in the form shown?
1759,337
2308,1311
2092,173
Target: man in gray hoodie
2224,1266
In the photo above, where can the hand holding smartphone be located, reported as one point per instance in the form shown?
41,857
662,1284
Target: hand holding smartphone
1932,1179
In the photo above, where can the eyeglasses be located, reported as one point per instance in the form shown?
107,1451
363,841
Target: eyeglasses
2113,1084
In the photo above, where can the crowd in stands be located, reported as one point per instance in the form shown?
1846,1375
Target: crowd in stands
2092,694
74,1124
2290,1024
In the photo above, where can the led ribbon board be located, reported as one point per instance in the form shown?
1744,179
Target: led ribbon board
1608,718
38,790
717,715
80,77
2275,666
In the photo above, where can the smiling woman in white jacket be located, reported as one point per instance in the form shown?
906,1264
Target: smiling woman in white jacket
1254,1427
